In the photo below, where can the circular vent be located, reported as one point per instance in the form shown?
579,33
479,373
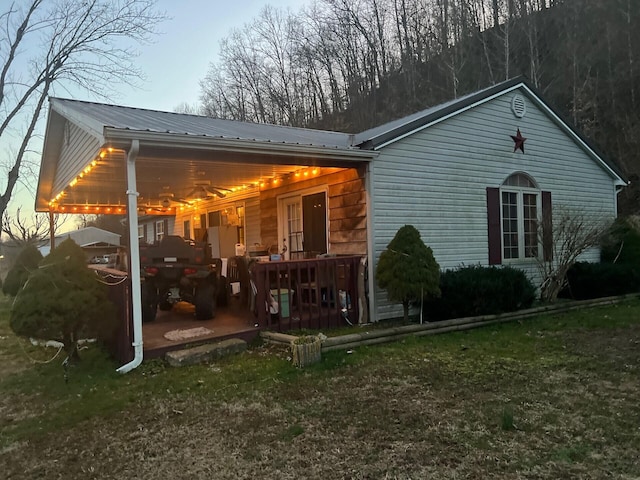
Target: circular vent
518,107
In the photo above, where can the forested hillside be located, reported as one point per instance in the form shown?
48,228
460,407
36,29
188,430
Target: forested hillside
351,64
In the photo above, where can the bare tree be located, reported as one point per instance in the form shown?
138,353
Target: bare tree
82,43
24,231
565,236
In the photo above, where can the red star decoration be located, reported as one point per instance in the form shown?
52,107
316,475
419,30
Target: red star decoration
519,140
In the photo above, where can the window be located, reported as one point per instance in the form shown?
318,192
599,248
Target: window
514,213
519,197
140,232
159,230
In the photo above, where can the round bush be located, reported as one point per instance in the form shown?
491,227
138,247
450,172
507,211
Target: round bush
63,300
593,280
476,290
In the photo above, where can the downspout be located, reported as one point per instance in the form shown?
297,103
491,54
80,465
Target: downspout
134,257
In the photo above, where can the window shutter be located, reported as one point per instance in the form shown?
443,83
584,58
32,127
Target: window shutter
144,233
166,227
493,219
547,227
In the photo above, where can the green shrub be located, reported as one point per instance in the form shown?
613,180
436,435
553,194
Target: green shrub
476,290
26,262
63,300
594,280
407,269
622,244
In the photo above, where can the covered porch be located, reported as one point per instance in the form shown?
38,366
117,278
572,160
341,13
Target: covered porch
299,196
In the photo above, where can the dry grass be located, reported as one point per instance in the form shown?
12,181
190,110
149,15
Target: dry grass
554,397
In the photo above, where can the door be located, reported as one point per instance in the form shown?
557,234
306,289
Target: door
314,224
304,225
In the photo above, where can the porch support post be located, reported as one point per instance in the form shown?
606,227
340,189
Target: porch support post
52,233
134,257
371,229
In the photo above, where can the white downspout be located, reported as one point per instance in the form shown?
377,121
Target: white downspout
134,257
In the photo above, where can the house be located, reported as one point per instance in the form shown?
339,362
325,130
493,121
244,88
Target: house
151,228
94,241
474,175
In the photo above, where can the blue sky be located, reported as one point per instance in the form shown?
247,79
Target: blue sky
180,56
173,65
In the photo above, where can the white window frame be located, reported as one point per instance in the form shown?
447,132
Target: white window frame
520,193
141,232
160,230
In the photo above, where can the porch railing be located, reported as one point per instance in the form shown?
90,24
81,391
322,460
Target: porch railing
119,344
308,293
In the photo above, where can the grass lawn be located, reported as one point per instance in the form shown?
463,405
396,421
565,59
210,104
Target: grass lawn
551,397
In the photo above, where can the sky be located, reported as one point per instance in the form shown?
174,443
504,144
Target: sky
180,57
173,64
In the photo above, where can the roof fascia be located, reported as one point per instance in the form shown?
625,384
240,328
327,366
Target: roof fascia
442,115
119,138
618,177
86,122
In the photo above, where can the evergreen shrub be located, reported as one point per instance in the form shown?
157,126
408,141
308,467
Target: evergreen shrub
622,245
63,300
593,280
407,269
26,262
469,291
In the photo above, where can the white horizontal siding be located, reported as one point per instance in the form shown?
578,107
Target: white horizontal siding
436,180
78,149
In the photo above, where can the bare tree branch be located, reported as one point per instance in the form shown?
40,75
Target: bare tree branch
85,43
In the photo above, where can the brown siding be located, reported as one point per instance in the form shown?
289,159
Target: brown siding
347,215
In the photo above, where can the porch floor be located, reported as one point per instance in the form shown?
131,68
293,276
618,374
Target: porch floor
232,321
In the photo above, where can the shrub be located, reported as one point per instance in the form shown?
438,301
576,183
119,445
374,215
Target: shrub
622,245
475,290
26,262
592,280
63,300
407,269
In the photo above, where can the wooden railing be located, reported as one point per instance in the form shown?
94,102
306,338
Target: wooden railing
119,292
311,293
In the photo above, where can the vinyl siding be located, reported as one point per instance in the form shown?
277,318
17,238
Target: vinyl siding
78,149
436,180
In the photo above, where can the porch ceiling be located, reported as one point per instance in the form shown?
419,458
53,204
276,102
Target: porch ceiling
86,172
103,188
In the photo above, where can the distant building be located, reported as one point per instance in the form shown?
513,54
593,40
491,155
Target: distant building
94,241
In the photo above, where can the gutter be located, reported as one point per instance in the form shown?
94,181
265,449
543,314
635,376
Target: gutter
134,257
119,138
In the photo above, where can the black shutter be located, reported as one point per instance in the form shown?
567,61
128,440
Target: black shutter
493,220
547,227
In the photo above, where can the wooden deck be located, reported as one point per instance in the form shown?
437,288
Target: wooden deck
231,321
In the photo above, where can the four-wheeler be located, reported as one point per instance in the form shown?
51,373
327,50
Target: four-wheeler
174,270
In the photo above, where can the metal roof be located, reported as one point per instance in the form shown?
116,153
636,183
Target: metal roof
102,116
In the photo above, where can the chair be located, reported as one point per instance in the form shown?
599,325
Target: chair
238,272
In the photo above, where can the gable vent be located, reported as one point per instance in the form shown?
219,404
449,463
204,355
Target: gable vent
518,107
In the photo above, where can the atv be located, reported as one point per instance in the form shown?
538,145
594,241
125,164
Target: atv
175,270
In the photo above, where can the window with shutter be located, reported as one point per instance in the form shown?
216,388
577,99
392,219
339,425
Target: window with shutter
514,213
